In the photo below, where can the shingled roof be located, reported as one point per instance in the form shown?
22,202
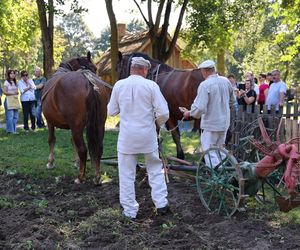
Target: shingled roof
129,43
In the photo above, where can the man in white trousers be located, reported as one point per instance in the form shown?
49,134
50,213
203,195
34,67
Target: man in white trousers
140,105
212,104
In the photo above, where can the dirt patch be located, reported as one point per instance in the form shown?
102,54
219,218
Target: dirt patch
57,214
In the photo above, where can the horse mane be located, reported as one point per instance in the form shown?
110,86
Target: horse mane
74,64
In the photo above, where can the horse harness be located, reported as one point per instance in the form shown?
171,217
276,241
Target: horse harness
90,76
93,79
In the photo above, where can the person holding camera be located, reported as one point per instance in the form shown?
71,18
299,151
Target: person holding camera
248,96
27,88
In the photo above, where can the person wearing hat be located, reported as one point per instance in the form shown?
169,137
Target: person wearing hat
212,104
140,105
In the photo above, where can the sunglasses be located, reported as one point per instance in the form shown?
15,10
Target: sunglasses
25,75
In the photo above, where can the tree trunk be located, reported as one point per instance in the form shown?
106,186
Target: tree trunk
161,48
47,35
114,48
287,70
221,62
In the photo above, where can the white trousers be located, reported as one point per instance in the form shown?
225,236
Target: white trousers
212,139
127,172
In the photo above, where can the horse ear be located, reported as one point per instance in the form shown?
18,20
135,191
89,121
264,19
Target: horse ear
120,55
89,56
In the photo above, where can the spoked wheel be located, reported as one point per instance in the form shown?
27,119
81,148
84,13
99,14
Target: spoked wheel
272,187
220,182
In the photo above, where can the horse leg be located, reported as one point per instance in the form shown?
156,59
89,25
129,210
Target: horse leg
95,159
96,164
51,142
77,137
76,156
171,123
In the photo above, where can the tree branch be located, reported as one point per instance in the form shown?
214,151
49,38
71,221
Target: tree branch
51,19
177,30
139,7
158,16
164,30
150,25
114,48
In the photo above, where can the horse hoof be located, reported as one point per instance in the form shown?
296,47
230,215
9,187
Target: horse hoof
50,165
97,181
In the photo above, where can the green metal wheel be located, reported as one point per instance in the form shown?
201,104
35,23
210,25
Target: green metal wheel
220,182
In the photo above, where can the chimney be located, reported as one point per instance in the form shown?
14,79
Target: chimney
121,31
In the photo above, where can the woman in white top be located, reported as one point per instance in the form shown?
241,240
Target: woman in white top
11,89
27,87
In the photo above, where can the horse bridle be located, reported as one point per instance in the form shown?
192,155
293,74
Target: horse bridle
128,65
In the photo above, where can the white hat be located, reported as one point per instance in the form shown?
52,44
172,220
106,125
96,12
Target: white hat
140,61
208,64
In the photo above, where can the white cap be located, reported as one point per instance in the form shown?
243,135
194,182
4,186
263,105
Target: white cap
208,64
140,61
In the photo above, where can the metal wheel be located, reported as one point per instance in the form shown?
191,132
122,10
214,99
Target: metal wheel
220,182
273,186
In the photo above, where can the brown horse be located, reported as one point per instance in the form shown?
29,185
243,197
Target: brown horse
72,101
179,88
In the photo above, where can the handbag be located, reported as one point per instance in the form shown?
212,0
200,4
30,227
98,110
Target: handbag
13,102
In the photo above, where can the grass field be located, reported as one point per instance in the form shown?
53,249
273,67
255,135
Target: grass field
27,153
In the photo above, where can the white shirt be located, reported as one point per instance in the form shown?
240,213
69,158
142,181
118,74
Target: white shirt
212,103
140,103
10,87
273,97
29,94
256,89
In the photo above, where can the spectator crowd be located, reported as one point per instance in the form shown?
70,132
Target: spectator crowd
30,98
268,90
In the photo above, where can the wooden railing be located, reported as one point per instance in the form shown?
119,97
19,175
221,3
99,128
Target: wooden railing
244,123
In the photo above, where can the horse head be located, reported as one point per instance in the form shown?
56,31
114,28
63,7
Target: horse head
80,63
124,63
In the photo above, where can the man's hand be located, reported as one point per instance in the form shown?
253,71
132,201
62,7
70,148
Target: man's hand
187,114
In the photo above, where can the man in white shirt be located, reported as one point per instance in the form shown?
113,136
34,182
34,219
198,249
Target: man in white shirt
140,105
27,88
276,92
212,104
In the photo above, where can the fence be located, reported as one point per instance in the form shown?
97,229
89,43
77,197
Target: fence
244,124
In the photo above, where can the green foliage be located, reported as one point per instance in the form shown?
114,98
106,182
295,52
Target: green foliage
211,24
257,35
19,34
78,38
103,42
135,25
6,203
288,32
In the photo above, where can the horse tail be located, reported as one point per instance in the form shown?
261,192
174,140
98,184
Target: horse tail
96,116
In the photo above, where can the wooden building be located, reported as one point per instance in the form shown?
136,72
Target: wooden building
138,42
